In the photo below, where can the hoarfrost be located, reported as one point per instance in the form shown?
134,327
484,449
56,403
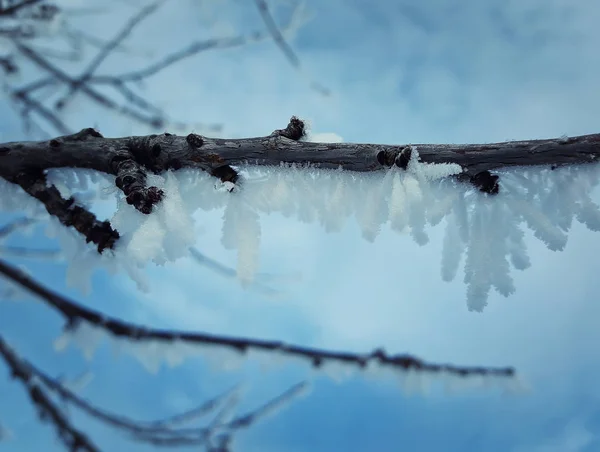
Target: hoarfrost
487,231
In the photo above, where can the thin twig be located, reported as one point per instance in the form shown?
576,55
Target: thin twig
11,10
71,437
75,313
108,49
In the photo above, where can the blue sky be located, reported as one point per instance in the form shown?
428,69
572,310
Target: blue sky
460,71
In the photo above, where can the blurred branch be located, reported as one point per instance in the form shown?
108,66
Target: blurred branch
75,313
280,41
163,432
278,38
106,50
9,228
21,251
11,10
133,105
20,370
229,273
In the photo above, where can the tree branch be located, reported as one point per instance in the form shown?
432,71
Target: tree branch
163,432
129,158
72,438
74,314
197,151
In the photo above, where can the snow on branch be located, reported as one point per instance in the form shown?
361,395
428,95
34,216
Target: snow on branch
76,315
166,178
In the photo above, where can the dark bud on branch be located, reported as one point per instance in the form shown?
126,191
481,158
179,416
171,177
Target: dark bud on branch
486,182
295,130
404,157
226,173
84,134
194,140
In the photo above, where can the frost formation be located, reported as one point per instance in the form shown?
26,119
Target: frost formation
485,233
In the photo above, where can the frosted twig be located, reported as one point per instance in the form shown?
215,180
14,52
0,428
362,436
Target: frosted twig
75,313
66,211
158,433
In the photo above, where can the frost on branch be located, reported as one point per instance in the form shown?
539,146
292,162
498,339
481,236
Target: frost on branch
483,233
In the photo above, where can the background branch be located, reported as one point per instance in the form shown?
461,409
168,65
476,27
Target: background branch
75,313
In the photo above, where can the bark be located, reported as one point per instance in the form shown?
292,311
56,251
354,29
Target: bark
130,158
88,149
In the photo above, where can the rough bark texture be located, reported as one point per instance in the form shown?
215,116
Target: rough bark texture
87,149
129,159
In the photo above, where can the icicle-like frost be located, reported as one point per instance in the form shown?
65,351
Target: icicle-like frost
488,230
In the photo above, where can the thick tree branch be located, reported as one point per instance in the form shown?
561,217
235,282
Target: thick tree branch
197,151
129,159
74,313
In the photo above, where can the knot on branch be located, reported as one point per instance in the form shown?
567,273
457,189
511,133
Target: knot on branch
194,140
131,179
146,151
295,129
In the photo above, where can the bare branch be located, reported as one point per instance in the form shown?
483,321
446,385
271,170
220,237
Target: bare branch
163,432
74,313
11,10
106,102
267,18
285,48
9,228
65,210
72,438
228,272
106,51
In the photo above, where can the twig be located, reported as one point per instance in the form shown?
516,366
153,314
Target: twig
65,210
11,10
161,432
280,41
106,51
72,438
228,272
75,313
9,228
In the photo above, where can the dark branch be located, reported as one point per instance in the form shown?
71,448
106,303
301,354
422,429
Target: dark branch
11,10
100,233
162,432
129,158
72,438
75,313
179,152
